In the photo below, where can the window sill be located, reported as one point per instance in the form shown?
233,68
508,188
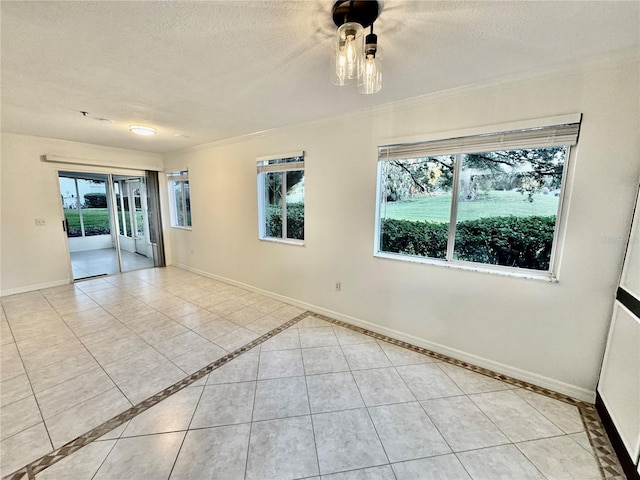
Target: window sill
472,267
287,241
182,228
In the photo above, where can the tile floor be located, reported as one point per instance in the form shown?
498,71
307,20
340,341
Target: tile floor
317,400
104,261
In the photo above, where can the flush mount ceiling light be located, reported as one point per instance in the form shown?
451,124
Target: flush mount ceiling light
140,130
356,57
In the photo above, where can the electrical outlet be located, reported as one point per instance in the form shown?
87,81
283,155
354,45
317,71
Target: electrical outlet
41,222
338,286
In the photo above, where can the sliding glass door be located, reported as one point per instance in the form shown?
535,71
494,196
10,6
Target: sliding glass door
107,223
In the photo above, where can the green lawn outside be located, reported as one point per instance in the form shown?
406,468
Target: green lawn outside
94,217
492,204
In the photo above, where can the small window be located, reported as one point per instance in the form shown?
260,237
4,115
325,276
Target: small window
488,199
180,199
281,197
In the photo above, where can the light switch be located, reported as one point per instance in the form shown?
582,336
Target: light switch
41,222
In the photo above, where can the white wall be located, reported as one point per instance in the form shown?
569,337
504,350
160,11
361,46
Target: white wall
550,333
93,242
34,256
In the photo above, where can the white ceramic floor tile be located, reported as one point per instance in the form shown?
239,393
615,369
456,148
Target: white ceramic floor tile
53,354
148,457
428,381
134,365
582,439
279,364
83,417
225,404
244,316
280,397
499,463
10,362
562,458
241,369
14,389
406,432
516,418
176,346
59,372
287,312
215,329
219,452
111,351
282,449
72,392
197,319
24,447
160,333
312,322
35,344
563,415
19,416
323,360
199,357
442,467
374,473
349,337
471,382
365,356
236,339
264,324
317,337
5,333
399,356
170,415
333,391
463,424
82,464
151,382
382,386
347,441
286,340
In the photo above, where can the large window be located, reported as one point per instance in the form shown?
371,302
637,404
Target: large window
281,197
490,199
180,199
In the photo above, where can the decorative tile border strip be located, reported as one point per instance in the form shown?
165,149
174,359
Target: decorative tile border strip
608,463
29,471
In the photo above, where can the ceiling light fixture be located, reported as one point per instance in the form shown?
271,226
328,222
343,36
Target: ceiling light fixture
354,55
140,130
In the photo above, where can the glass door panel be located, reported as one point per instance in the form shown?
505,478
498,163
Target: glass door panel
86,202
136,249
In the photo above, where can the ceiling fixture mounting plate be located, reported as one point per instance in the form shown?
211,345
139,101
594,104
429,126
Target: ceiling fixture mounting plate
363,12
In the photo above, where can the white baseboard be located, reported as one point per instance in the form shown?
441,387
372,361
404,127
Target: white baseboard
574,391
31,288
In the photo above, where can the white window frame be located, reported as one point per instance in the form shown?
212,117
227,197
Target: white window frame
449,262
264,166
182,177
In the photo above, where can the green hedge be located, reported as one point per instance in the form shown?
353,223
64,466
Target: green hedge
295,221
523,242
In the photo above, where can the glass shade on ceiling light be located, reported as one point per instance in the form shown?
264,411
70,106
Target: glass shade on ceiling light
370,71
348,50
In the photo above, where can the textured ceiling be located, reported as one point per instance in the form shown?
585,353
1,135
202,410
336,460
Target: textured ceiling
210,70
